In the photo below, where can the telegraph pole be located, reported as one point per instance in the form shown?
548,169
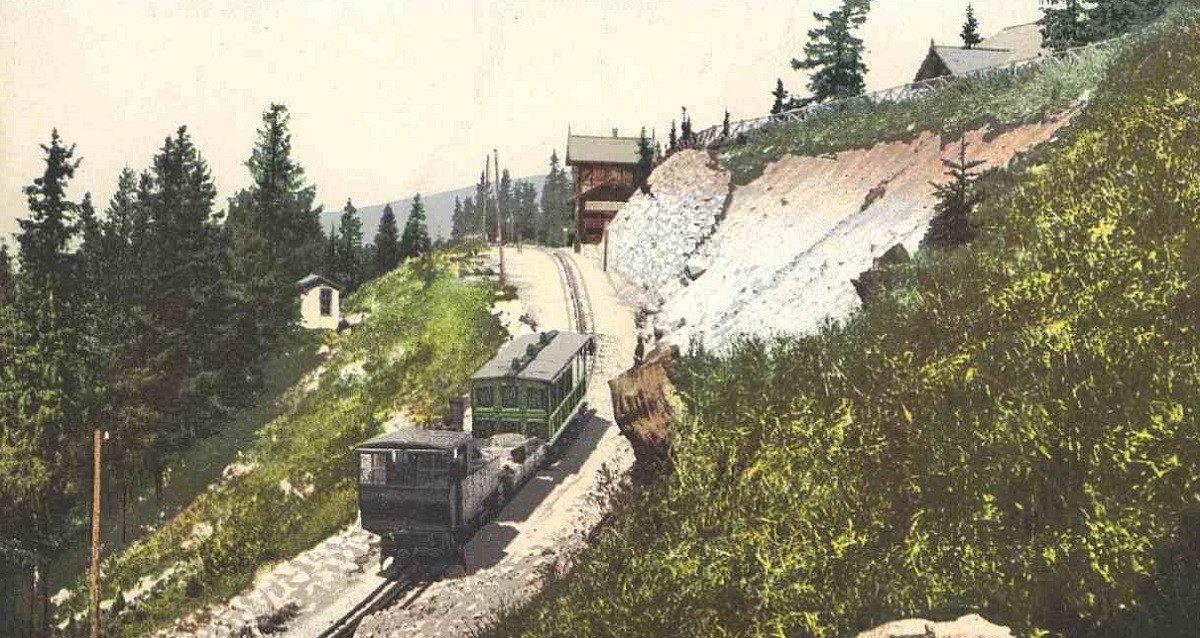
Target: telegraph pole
96,532
499,223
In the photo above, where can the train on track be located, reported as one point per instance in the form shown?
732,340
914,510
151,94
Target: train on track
426,491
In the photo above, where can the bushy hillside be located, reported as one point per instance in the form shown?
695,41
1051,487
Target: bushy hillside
425,332
1012,431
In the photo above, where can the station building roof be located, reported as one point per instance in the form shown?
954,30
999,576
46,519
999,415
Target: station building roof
418,438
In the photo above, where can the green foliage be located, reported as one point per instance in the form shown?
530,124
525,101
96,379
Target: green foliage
415,241
1013,432
558,211
967,103
645,163
421,341
387,241
781,95
1066,27
349,251
970,29
834,53
956,198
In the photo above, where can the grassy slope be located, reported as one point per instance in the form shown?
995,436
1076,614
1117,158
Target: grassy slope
967,104
1013,431
417,348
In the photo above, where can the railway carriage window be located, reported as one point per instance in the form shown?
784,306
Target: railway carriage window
510,397
373,468
535,398
484,397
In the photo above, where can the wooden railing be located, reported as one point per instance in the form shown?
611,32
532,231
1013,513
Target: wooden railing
715,136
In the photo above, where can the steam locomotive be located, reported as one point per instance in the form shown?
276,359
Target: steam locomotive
425,492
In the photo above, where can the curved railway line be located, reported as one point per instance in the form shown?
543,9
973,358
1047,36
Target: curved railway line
408,585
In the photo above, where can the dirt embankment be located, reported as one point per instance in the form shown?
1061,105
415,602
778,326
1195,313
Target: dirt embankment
782,257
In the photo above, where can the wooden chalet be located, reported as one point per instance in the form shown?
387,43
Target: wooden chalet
1016,43
604,179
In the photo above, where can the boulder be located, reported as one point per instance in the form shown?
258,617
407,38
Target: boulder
643,403
969,626
881,276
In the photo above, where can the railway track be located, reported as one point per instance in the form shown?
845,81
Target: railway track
580,305
408,585
411,581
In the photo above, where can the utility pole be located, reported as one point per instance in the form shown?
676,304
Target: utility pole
499,222
96,532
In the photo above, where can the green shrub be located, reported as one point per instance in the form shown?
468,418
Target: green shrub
1014,433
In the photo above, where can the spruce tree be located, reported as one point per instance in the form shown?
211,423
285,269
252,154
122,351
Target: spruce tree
673,140
350,248
8,283
415,241
1112,18
50,387
458,225
387,241
956,198
970,30
835,54
686,135
645,164
557,210
1066,27
725,126
781,96
273,229
470,225
331,253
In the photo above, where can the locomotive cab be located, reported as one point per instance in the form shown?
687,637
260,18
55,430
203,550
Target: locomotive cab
408,492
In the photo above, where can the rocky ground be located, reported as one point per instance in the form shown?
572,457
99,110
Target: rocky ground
547,522
782,257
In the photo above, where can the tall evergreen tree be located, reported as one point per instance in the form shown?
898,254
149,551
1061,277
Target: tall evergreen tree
485,207
331,253
387,241
557,210
350,248
1065,27
1111,18
8,283
725,125
687,136
781,96
504,204
673,140
274,230
415,241
458,224
470,224
198,372
49,386
527,218
951,225
970,29
835,54
645,164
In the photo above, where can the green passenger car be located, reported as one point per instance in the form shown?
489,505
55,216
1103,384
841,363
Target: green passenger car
533,386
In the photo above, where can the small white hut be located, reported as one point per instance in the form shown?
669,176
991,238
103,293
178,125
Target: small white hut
320,303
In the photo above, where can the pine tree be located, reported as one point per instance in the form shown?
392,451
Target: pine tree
557,211
387,241
415,241
1112,18
970,30
781,96
49,386
273,230
458,224
350,247
673,140
951,225
645,164
835,53
331,253
1066,27
8,283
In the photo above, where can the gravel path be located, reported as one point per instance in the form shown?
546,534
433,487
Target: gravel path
549,519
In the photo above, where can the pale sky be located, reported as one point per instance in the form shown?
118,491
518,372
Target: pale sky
392,98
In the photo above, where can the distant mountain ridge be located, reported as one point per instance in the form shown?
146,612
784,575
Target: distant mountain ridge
439,210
